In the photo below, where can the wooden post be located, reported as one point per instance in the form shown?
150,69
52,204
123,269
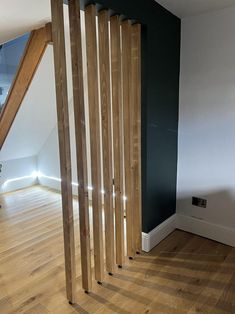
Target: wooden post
136,125
117,135
64,145
80,135
103,19
93,96
127,112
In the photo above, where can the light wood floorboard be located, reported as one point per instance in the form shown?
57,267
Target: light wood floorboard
183,274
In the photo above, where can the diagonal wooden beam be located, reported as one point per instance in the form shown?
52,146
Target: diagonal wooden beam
33,53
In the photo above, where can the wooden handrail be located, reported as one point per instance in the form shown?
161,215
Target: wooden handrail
33,53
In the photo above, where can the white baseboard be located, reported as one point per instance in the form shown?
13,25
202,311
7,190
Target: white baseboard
155,236
190,224
206,229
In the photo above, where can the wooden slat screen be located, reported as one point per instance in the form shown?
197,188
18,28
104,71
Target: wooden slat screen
113,67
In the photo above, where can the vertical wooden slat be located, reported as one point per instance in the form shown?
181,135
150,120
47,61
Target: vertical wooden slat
80,135
136,125
64,144
92,73
126,89
103,19
117,135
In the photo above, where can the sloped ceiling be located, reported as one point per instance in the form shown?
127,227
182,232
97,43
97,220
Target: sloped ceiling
21,16
185,8
18,17
37,115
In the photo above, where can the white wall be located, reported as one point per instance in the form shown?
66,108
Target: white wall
37,114
48,163
34,121
48,157
18,174
206,153
34,130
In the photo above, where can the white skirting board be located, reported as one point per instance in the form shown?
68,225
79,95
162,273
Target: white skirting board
155,236
206,229
190,224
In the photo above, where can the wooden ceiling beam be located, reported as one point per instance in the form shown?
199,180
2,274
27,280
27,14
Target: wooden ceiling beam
33,54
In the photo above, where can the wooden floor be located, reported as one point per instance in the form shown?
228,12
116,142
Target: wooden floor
184,274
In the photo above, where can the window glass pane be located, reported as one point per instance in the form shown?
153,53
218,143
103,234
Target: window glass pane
10,56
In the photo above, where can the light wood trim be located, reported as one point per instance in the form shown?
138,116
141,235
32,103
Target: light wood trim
136,125
103,19
80,135
64,145
126,89
31,58
93,95
117,135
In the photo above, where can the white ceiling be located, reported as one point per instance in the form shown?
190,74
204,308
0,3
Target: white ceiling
20,16
185,8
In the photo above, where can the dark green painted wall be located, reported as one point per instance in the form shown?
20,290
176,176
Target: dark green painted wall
160,99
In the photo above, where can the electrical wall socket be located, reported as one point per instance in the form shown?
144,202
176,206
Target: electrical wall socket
199,202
